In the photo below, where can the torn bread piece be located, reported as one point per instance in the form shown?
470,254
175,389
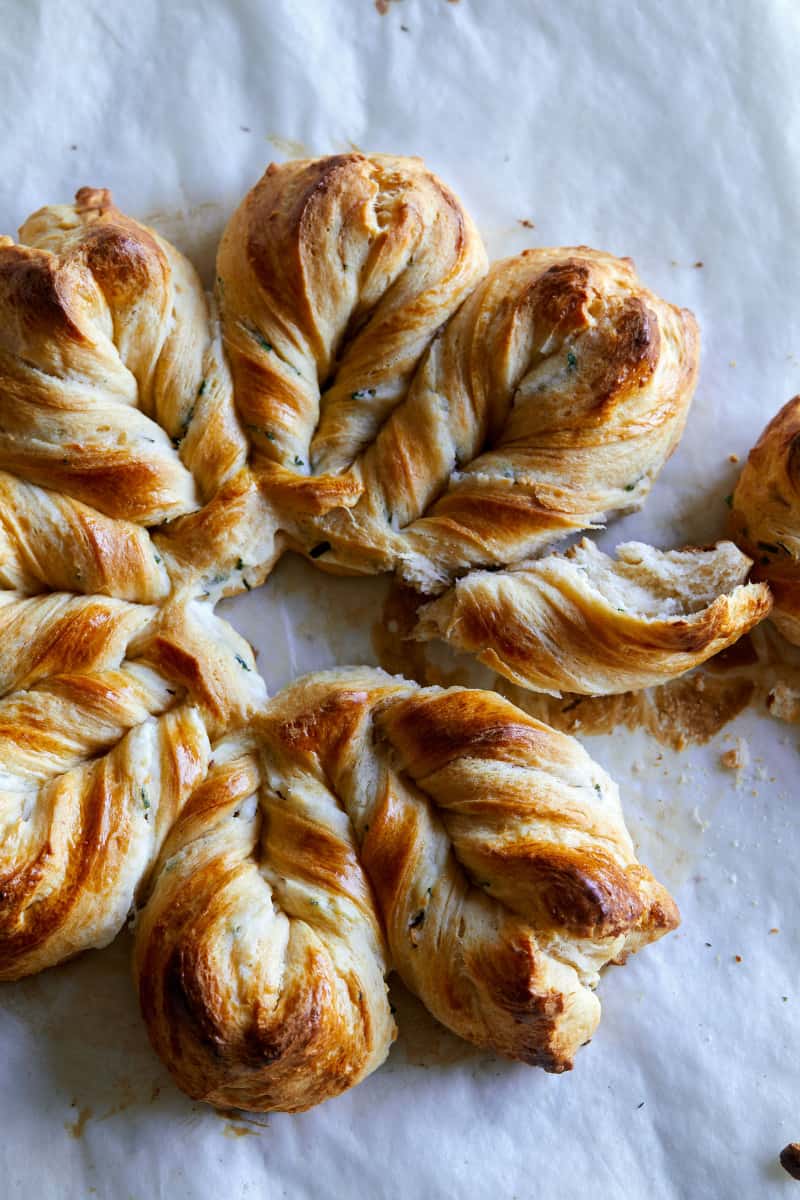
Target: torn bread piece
586,623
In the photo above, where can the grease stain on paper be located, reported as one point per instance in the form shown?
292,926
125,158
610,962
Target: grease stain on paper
421,1040
239,1124
195,230
289,147
75,1128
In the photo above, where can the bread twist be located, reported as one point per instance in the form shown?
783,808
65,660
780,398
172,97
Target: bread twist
552,398
489,848
583,623
765,514
114,397
106,708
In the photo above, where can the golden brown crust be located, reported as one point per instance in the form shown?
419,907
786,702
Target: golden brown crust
550,400
259,955
503,876
334,274
585,624
105,713
116,406
765,514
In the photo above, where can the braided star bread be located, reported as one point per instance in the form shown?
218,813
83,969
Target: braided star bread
114,397
490,849
581,622
765,514
551,398
106,709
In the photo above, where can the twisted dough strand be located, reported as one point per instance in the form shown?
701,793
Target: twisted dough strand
105,717
51,541
502,872
335,273
259,955
115,396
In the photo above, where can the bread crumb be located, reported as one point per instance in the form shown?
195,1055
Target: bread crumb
697,265
784,703
737,757
737,958
774,930
790,1159
525,223
733,458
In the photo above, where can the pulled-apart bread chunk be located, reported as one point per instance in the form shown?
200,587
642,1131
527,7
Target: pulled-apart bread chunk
583,622
363,823
765,514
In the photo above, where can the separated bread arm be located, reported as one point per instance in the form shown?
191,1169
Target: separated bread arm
765,515
582,622
502,871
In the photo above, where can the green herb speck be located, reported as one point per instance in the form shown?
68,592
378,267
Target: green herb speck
572,360
202,387
362,394
417,920
241,662
729,500
298,461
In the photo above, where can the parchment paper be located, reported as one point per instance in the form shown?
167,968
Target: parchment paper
666,131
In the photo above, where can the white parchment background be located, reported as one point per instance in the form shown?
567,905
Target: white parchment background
664,129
